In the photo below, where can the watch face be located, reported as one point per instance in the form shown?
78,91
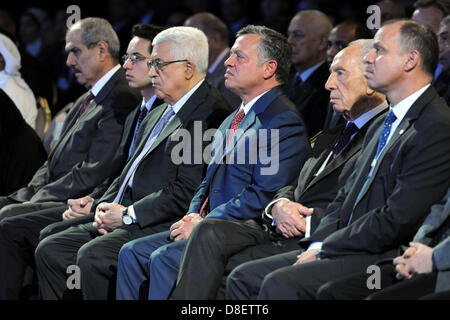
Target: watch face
127,219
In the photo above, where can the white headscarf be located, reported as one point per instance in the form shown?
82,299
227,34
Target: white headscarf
13,84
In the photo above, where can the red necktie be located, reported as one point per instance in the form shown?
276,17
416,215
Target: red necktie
86,103
204,210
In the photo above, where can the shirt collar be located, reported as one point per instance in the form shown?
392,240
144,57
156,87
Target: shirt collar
366,117
148,105
103,80
177,106
401,108
305,74
250,104
218,60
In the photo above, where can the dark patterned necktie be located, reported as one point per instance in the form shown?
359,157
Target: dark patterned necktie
86,103
238,117
348,131
297,83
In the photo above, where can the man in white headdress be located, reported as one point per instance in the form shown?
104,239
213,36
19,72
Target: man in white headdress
13,84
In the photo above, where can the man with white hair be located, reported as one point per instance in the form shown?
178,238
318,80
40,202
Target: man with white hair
152,191
13,84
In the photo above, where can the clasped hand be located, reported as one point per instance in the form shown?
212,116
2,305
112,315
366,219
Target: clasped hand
416,259
108,216
182,229
290,218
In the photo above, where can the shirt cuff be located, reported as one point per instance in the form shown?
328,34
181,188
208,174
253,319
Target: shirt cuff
308,227
269,208
132,214
315,246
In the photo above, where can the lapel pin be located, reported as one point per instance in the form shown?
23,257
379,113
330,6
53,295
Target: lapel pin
401,131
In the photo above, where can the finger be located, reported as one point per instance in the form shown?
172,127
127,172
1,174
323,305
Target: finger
304,210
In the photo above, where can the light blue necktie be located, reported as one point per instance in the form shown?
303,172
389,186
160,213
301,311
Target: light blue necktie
151,139
388,121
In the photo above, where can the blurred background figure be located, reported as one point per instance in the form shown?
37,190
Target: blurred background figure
431,12
390,9
217,33
234,13
442,83
13,84
21,149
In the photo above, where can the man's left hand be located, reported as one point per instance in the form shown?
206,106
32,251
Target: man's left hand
182,229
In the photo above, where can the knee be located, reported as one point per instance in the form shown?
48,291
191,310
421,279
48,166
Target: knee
89,257
46,251
326,292
208,230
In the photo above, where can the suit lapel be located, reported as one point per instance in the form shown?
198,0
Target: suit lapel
406,123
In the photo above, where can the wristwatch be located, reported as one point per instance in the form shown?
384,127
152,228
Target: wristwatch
126,219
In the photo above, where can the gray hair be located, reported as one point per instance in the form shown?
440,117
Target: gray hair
271,46
94,30
366,45
186,43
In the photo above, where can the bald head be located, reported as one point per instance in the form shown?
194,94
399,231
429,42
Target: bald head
308,35
215,30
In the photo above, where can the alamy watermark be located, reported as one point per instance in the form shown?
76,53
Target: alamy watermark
256,147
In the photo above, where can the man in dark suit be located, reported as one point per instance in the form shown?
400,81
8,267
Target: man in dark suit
153,189
403,170
442,83
21,148
217,33
19,235
226,244
239,182
91,134
422,271
308,34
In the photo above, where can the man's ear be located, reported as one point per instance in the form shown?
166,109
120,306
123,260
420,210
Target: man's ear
190,70
102,50
270,68
412,61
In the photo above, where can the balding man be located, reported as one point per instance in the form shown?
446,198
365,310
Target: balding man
226,244
403,170
217,33
308,34
340,36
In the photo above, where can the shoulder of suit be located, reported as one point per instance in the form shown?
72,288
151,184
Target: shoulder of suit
280,107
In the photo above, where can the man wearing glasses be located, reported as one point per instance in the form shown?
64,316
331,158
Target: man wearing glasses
152,191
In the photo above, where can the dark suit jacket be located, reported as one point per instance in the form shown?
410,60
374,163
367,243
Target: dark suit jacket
239,190
21,150
217,79
83,156
121,157
439,214
311,99
442,85
412,173
318,191
163,189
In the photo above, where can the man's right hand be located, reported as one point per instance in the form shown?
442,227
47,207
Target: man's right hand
290,217
78,207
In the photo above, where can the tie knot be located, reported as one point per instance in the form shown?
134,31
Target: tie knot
350,129
89,97
390,118
298,80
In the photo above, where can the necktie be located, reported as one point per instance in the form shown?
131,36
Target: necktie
234,125
388,121
151,139
141,117
442,233
297,83
390,118
348,131
86,103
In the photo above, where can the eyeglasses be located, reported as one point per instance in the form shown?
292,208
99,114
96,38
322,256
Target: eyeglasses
133,58
159,64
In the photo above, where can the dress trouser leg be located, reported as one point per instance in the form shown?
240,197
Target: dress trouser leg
19,237
208,249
